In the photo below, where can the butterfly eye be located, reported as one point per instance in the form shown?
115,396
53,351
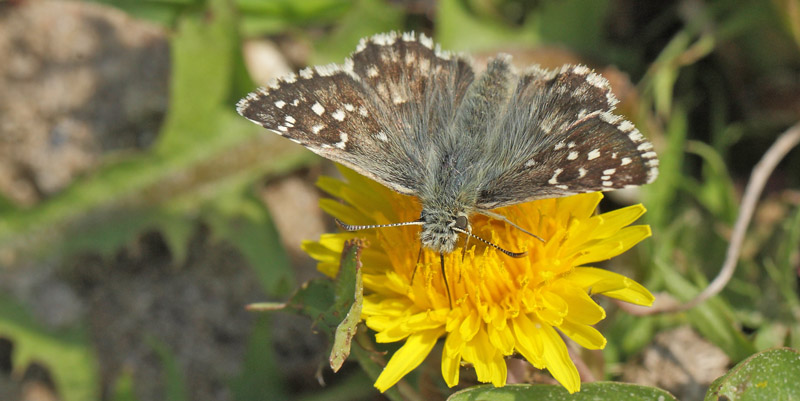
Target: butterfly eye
462,222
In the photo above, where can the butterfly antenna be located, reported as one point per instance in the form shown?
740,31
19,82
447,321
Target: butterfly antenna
351,227
498,216
444,277
493,245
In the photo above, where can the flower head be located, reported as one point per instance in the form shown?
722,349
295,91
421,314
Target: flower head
500,305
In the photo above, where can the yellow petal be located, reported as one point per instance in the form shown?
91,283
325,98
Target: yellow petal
610,284
501,338
470,326
586,336
614,245
582,308
490,367
528,340
408,357
557,359
579,206
343,212
613,221
451,362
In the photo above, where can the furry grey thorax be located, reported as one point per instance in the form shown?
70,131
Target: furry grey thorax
451,187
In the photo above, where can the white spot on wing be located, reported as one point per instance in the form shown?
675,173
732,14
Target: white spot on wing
554,179
610,118
597,81
381,136
317,108
580,69
399,98
626,126
372,71
572,155
594,154
280,103
338,115
342,142
625,161
426,41
317,128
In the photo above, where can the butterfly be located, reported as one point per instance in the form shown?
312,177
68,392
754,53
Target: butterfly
420,121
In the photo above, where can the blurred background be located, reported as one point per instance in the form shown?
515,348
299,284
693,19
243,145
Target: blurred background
139,214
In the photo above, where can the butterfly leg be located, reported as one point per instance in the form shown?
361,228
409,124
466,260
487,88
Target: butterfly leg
416,266
444,277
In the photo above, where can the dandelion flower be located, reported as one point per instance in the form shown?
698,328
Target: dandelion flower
500,305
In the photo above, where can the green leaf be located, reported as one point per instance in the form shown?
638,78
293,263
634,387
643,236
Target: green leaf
67,353
327,302
243,220
458,29
716,193
261,17
713,318
349,291
364,19
202,56
164,12
335,307
577,24
660,196
599,391
173,376
124,387
313,299
768,375
372,362
260,373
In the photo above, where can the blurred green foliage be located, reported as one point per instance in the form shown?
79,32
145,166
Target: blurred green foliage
702,72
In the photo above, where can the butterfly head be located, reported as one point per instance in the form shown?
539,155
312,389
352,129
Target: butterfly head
440,229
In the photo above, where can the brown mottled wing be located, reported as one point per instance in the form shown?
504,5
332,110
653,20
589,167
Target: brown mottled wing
372,112
560,137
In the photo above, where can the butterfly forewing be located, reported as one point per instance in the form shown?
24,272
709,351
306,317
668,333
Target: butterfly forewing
374,113
563,139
